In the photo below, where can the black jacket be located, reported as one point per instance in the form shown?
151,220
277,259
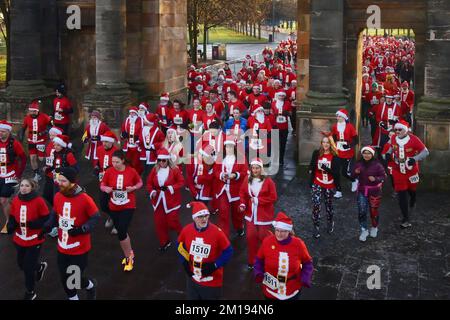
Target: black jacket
334,171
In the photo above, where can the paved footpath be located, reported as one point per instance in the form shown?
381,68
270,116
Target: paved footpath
412,263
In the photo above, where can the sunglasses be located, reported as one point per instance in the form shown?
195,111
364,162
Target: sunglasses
398,130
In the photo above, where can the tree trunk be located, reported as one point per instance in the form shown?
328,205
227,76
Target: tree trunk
205,40
254,30
251,29
246,28
259,30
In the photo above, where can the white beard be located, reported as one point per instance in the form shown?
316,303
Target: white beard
141,113
94,123
260,117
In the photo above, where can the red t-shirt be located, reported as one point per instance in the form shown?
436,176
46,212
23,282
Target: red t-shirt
26,211
274,254
323,178
208,245
61,108
36,127
119,181
6,166
73,212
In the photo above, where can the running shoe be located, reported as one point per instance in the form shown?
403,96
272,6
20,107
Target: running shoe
40,273
30,295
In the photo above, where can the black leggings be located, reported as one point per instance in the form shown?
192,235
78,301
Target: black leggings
28,261
283,136
403,202
64,262
122,220
49,190
345,169
104,201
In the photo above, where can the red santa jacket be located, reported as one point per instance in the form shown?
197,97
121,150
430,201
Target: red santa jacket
366,87
385,117
104,159
37,128
11,153
289,76
408,99
258,203
291,94
150,141
62,108
224,185
163,113
92,134
132,132
196,119
344,135
199,179
169,199
256,100
402,150
280,110
259,132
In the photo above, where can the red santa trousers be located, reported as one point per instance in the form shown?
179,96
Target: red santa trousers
166,222
255,237
133,156
237,217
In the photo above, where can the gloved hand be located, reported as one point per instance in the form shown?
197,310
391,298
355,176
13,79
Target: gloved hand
411,161
392,122
383,125
77,231
124,135
187,269
12,225
346,147
33,225
163,188
96,170
323,167
208,268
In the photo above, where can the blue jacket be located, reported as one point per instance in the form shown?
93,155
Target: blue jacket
230,123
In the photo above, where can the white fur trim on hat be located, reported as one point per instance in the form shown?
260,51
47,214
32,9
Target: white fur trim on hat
341,114
282,225
107,139
399,125
55,131
200,213
164,98
229,142
257,163
33,109
164,157
368,148
59,141
5,127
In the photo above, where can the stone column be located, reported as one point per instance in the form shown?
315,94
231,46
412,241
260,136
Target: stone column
111,92
164,47
303,35
134,75
26,78
49,43
433,110
325,95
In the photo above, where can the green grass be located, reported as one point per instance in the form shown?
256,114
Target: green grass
2,68
224,35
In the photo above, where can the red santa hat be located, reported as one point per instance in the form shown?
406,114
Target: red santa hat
165,96
108,136
229,140
133,109
283,222
34,105
163,154
206,90
207,150
55,130
405,84
257,162
144,105
342,113
62,140
277,81
5,125
258,107
368,148
402,124
151,118
198,209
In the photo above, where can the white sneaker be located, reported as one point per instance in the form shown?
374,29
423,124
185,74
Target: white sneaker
363,235
114,231
109,223
54,232
355,185
373,232
338,195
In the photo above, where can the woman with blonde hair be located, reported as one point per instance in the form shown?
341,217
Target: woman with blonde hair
164,185
323,168
175,147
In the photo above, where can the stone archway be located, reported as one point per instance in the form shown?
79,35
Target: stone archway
328,38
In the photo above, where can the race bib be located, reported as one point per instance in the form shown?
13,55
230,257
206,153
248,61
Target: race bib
11,180
414,178
340,145
65,224
200,249
40,147
256,143
119,197
281,119
270,281
58,116
178,120
49,161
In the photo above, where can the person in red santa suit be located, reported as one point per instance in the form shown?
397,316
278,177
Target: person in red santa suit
131,132
49,157
245,94
196,88
258,195
261,81
234,103
365,103
229,172
37,124
259,126
120,182
256,99
75,214
105,153
164,186
204,97
323,169
179,117
203,250
210,116
386,115
12,164
283,264
62,109
406,151
143,110
374,97
92,133
195,122
28,215
200,175
281,109
163,111
175,148
218,104
276,88
150,142
407,102
289,77
229,86
346,138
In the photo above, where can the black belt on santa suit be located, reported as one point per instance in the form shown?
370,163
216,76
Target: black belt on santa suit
284,279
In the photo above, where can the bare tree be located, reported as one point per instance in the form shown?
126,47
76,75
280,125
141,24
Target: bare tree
5,6
192,19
